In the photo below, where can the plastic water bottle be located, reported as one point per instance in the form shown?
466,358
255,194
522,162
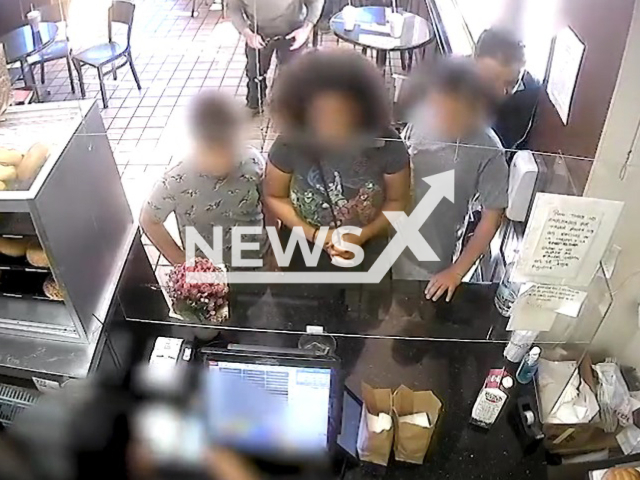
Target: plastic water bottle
529,366
507,292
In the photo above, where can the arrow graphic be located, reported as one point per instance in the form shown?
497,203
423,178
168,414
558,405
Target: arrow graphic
408,234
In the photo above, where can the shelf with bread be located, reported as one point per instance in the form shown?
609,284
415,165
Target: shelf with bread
25,271
24,254
65,223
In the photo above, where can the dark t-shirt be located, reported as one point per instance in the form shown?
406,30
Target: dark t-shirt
515,116
353,183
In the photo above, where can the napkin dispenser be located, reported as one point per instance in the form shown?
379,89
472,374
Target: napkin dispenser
523,178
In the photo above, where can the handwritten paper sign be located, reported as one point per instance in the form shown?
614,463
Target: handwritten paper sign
565,239
558,298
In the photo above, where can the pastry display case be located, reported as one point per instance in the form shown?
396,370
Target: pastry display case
65,226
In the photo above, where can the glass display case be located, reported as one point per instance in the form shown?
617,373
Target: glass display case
65,227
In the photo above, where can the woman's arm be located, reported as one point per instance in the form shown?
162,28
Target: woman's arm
276,189
396,188
396,199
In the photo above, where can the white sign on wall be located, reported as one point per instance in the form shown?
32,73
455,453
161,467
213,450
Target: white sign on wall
563,75
566,238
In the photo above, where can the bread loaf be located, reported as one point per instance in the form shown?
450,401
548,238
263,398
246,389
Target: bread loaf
3,186
10,157
7,173
622,474
36,255
13,247
32,161
52,289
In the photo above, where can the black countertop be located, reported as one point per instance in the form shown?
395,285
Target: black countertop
386,335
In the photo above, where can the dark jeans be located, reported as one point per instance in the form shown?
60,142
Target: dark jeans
258,62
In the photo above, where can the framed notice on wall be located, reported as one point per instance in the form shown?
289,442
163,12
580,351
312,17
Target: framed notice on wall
566,59
565,239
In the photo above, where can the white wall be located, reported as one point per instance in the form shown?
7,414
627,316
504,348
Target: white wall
616,175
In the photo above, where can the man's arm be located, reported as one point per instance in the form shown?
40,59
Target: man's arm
314,10
447,281
160,204
161,238
236,13
479,242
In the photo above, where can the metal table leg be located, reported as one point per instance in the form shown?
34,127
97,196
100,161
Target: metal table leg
381,59
29,79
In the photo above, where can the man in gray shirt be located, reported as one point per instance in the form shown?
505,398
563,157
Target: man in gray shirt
280,26
448,133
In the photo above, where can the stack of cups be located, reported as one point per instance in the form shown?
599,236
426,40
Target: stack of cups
396,23
349,15
34,18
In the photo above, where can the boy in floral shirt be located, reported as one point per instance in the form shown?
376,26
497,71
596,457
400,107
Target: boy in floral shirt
217,185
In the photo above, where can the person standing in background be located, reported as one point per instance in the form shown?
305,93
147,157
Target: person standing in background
280,26
500,57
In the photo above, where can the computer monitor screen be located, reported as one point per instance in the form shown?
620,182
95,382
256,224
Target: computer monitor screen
263,408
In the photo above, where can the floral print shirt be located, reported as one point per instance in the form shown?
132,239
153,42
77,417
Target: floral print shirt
204,201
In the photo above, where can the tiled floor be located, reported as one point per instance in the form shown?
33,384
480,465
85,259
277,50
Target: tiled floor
176,56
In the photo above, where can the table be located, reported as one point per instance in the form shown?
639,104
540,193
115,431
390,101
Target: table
372,31
23,42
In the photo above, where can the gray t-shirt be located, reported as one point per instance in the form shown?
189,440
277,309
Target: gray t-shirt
203,201
273,17
481,174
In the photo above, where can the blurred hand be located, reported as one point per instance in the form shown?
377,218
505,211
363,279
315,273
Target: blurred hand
328,240
253,39
271,262
300,36
218,463
444,282
222,464
336,251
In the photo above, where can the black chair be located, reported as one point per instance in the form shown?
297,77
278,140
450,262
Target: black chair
59,49
108,53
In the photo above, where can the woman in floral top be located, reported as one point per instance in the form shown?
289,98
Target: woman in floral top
337,161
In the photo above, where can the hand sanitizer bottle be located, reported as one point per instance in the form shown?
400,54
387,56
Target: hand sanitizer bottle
529,366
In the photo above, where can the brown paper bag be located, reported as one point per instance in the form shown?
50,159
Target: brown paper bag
375,446
413,430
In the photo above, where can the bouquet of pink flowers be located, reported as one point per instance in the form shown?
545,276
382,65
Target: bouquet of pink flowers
200,302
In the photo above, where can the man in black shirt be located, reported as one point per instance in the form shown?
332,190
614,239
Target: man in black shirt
500,58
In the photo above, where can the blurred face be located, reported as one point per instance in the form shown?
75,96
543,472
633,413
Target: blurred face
504,78
452,117
333,117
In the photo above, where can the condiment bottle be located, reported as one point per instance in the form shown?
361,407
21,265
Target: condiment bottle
529,366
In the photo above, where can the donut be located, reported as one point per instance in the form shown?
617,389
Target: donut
52,289
36,255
